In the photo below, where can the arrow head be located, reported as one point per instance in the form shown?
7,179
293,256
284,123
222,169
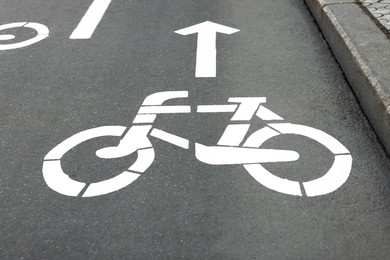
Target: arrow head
207,27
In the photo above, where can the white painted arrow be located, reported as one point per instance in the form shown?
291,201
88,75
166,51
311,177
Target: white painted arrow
206,53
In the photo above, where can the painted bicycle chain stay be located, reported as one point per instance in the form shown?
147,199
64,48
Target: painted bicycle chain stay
231,149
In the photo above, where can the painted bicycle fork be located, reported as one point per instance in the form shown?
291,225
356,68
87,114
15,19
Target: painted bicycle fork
228,150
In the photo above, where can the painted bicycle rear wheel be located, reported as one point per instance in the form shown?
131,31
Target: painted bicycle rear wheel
60,182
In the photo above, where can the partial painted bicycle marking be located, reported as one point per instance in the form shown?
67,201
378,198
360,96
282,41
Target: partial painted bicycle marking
41,30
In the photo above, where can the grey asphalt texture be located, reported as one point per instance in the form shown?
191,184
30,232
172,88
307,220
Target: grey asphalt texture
180,207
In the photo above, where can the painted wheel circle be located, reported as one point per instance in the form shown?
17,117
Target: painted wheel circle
336,176
41,30
60,182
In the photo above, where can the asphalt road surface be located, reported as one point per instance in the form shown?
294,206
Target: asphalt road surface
193,201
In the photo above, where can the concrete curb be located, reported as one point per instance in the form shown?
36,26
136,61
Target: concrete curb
363,52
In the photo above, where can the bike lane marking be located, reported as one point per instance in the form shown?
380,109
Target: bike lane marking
42,33
164,109
331,181
227,152
58,180
206,53
170,138
90,20
144,119
6,37
107,186
273,182
234,135
248,107
341,167
267,115
229,155
216,108
61,182
146,158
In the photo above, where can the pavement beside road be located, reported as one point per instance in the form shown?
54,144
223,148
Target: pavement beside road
380,10
362,49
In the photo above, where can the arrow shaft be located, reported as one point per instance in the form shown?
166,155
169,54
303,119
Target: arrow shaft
207,40
206,55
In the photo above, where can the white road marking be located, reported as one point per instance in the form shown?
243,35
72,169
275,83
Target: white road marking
135,139
206,53
266,114
260,136
216,108
220,155
6,37
145,159
42,33
164,109
116,183
234,134
57,152
323,138
273,182
59,181
227,152
170,138
40,28
91,19
11,25
52,171
247,107
160,97
144,119
333,179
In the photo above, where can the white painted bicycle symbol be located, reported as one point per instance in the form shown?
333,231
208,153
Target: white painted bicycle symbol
41,33
228,151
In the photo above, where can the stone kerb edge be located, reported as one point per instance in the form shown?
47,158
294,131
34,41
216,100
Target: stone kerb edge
371,95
